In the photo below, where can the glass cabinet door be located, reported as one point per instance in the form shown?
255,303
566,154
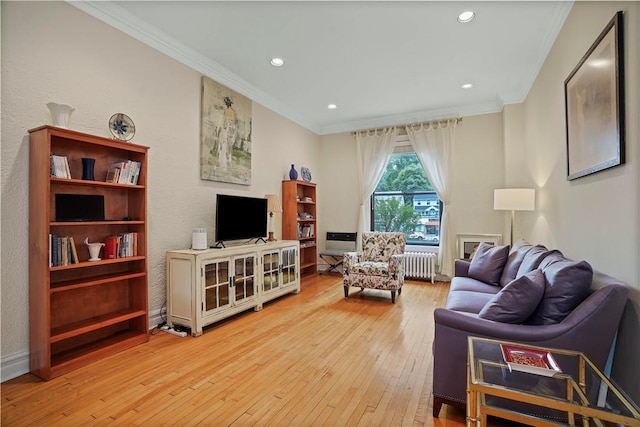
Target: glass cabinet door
288,265
271,270
216,285
244,281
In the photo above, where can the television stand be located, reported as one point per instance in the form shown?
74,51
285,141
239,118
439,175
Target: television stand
204,287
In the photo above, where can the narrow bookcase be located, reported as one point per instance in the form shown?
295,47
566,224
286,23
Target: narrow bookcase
84,311
299,221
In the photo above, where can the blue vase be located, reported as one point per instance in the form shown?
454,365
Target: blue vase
87,168
293,173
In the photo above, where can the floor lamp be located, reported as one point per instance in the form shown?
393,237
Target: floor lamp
273,205
514,199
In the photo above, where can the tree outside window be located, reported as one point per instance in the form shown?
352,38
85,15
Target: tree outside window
405,201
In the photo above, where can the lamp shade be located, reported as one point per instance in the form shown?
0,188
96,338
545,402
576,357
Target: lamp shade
273,203
514,199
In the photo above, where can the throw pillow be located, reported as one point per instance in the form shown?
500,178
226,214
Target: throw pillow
567,284
488,262
532,259
517,300
513,263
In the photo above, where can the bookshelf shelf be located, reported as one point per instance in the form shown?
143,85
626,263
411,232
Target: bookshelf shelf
73,181
83,311
81,327
68,285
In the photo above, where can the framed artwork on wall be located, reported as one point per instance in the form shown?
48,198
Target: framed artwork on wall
468,243
594,105
225,134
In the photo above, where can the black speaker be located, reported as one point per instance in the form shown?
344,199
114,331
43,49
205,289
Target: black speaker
79,207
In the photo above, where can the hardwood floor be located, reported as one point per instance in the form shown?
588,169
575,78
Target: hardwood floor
312,359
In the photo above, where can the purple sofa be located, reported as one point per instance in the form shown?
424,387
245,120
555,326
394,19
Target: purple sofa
526,294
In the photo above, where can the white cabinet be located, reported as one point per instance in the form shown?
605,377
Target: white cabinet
279,271
206,286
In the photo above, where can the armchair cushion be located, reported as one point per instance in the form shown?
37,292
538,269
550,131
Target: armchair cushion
517,300
379,247
371,268
488,263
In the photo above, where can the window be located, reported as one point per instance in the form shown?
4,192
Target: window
405,201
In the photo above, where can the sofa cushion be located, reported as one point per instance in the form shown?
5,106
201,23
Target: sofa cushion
488,263
467,301
517,300
532,259
511,267
567,285
553,256
469,284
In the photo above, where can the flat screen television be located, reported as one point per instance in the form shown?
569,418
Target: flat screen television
240,217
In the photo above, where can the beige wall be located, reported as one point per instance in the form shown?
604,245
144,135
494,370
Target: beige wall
54,52
477,169
595,218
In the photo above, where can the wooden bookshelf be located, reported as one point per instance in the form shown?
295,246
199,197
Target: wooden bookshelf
81,312
298,215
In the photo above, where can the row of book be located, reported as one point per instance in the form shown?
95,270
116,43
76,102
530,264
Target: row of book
60,167
306,230
121,246
126,172
62,251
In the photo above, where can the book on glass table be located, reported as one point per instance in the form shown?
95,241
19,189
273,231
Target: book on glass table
529,360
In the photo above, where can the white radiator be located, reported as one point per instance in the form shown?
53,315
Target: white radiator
420,265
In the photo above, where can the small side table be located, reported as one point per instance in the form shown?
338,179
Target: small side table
580,392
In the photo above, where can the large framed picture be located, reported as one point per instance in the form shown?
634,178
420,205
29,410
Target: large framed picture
225,134
468,243
594,105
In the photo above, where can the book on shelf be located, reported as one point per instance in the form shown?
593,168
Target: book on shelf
113,174
62,251
124,172
121,246
59,167
307,231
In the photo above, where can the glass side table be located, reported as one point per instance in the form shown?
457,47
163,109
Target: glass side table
522,383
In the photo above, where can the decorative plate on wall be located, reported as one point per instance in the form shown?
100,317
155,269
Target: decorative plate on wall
122,127
306,173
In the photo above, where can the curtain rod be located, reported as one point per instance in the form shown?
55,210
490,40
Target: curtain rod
457,119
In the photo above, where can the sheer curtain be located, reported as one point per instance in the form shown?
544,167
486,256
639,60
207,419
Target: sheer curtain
432,143
373,151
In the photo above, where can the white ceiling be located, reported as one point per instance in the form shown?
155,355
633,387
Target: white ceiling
382,63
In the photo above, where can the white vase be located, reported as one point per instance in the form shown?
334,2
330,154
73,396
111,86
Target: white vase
60,114
94,249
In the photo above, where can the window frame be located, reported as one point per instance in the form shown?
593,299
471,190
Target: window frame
402,148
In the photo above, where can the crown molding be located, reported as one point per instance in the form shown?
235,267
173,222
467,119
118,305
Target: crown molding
117,17
112,14
562,11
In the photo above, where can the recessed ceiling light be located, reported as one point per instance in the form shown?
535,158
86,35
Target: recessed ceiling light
466,16
332,106
467,86
277,62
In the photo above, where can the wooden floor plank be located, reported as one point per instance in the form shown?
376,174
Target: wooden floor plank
309,359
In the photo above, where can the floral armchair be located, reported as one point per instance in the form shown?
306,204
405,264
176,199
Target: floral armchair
380,265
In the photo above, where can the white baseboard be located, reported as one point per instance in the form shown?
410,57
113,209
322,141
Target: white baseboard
16,364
